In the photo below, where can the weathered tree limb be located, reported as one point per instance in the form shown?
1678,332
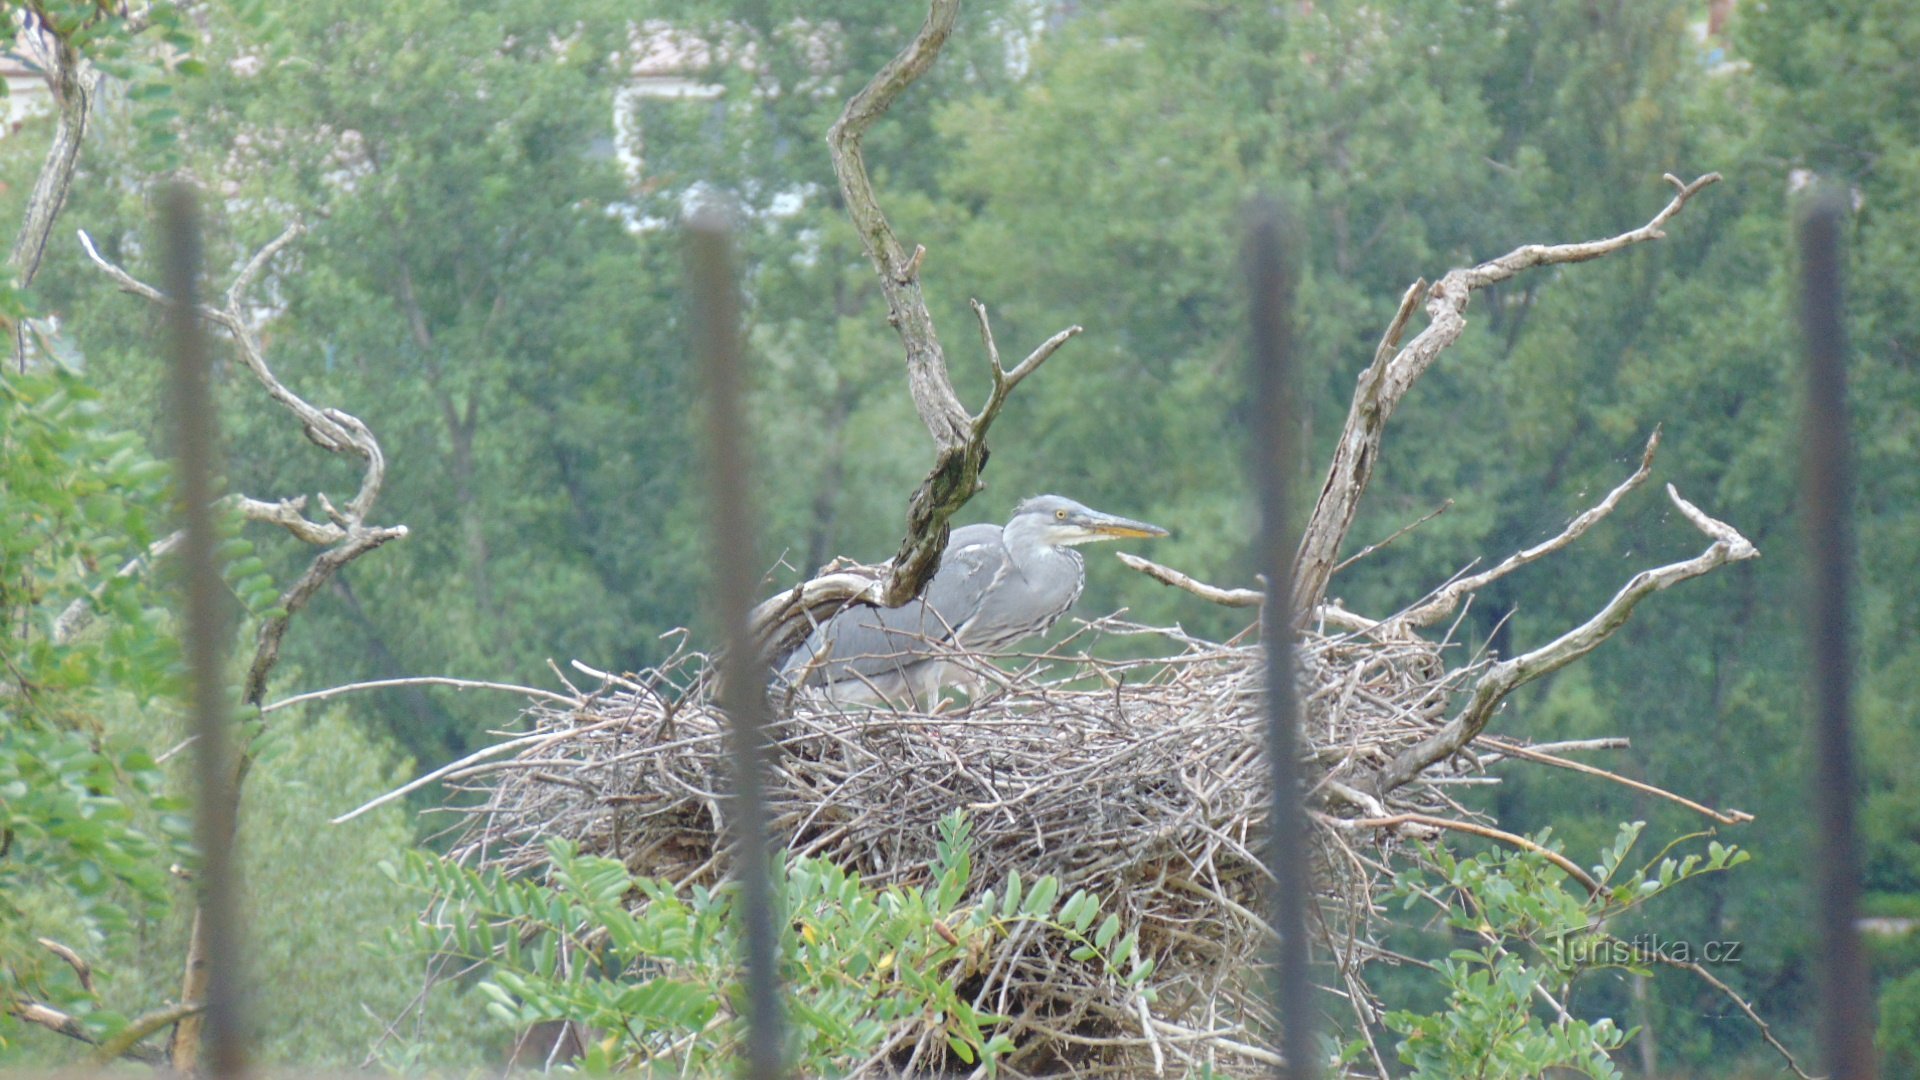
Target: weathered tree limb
126,1042
78,615
1447,598
346,536
1396,534
1534,753
73,82
1730,994
1166,575
1433,822
46,1016
959,437
1508,675
81,969
419,680
1394,370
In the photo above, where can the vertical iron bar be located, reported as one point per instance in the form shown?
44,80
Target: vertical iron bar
1826,490
208,623
1271,287
743,676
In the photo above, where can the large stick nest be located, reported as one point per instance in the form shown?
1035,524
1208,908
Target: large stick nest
1142,779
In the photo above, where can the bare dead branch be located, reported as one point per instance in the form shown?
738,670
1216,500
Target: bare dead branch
1166,575
1445,599
81,969
126,1041
73,82
1385,382
347,535
289,515
532,692
1403,530
1432,821
46,1016
1728,991
78,615
1534,753
959,437
1508,675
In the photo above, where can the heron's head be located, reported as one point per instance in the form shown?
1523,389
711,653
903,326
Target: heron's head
1060,522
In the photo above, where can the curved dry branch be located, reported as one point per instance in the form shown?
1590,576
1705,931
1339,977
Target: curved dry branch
1535,753
1730,994
1505,677
1432,821
933,395
1167,575
126,1042
73,82
1447,598
46,1016
345,536
1394,370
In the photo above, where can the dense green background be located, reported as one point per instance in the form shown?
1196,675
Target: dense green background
472,290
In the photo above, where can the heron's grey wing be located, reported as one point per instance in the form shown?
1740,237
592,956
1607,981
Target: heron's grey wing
975,561
871,642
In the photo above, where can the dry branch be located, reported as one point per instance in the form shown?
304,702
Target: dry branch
1385,382
1508,675
1394,821
60,1023
1212,594
1446,599
73,82
1539,754
959,437
346,535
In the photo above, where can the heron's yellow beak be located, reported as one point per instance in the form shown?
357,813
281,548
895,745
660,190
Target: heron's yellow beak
1122,527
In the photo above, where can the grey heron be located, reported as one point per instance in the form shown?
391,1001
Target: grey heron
996,586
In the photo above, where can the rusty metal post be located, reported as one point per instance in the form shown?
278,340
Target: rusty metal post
1826,492
208,623
743,675
1270,278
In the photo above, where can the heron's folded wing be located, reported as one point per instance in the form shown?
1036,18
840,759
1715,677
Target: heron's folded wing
874,641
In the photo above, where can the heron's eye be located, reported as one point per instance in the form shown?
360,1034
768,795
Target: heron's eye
1061,514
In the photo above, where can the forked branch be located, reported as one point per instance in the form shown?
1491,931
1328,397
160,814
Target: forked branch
1447,598
959,436
1395,369
345,534
343,537
1508,675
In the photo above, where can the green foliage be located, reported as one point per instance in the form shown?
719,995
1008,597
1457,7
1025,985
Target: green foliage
1535,938
657,971
86,826
1899,1039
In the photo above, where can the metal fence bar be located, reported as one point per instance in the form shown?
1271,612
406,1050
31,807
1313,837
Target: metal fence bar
208,623
1826,490
1271,286
743,676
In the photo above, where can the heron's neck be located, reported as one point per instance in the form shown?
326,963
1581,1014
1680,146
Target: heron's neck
1031,548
